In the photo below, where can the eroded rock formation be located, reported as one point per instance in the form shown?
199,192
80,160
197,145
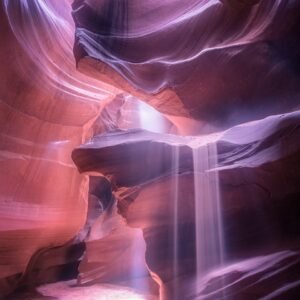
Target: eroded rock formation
258,167
205,66
225,62
40,187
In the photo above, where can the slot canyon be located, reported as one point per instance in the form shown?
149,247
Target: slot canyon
150,149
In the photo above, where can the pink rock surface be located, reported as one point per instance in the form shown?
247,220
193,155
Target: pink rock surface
47,108
268,276
114,252
42,202
224,62
206,65
69,291
258,167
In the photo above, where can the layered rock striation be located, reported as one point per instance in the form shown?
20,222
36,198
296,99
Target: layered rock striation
206,66
257,168
224,62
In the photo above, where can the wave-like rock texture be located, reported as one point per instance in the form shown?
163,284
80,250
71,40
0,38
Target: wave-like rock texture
114,252
225,62
221,62
269,276
46,109
42,196
258,170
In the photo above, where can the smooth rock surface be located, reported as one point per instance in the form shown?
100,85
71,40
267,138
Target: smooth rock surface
258,167
207,65
42,196
114,252
225,62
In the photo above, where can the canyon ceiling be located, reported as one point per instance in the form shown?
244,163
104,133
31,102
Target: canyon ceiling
105,109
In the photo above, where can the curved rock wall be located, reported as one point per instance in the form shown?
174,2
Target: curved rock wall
258,167
205,66
43,198
225,62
